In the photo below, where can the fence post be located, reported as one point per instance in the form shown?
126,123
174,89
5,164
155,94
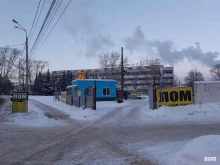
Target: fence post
94,97
85,95
79,101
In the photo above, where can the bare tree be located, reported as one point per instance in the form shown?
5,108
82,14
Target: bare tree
176,81
34,66
215,72
192,76
154,69
8,61
110,63
103,60
113,60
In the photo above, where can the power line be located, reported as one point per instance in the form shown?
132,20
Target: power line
34,17
43,25
37,20
14,45
54,25
48,23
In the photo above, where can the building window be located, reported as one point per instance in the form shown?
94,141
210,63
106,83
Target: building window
106,91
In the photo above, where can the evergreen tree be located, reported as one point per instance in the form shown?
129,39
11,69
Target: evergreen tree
40,84
6,86
35,85
48,87
37,88
69,78
63,84
48,76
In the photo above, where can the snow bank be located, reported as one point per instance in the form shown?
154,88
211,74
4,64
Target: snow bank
76,113
195,151
143,97
203,112
34,118
160,152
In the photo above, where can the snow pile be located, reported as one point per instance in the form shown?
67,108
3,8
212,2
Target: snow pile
143,97
76,113
160,152
196,151
35,117
203,112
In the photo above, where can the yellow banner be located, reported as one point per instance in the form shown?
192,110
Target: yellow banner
19,106
133,93
19,102
174,96
63,97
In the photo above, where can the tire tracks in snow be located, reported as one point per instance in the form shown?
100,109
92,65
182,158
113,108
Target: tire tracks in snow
66,144
58,143
54,113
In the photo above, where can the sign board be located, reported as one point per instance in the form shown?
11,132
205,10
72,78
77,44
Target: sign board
81,75
174,96
79,92
19,102
133,93
63,97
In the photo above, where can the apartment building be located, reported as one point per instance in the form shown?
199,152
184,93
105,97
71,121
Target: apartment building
136,77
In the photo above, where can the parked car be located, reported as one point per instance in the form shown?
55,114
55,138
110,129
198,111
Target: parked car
142,97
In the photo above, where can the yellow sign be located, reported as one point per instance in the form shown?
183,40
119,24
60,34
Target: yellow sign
19,102
174,96
81,75
79,92
63,97
133,93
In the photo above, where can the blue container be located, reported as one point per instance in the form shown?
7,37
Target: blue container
105,89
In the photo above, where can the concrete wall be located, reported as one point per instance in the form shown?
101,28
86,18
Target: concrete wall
207,92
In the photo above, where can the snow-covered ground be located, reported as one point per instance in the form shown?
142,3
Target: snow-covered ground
76,113
199,151
35,117
185,152
162,152
133,126
209,112
195,113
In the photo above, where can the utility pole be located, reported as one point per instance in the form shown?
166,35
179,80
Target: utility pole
122,75
22,28
27,88
154,95
19,76
94,96
161,85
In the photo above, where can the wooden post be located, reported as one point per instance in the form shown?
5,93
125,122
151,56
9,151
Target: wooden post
94,97
122,75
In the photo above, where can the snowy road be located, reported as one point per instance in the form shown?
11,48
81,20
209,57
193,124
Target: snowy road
117,138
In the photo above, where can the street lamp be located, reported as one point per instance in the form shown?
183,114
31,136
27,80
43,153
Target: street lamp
22,28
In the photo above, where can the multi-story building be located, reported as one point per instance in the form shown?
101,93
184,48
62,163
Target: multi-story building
138,78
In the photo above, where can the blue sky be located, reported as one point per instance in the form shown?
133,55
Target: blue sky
90,27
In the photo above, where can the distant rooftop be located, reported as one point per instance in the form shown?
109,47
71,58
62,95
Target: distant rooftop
92,80
206,82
